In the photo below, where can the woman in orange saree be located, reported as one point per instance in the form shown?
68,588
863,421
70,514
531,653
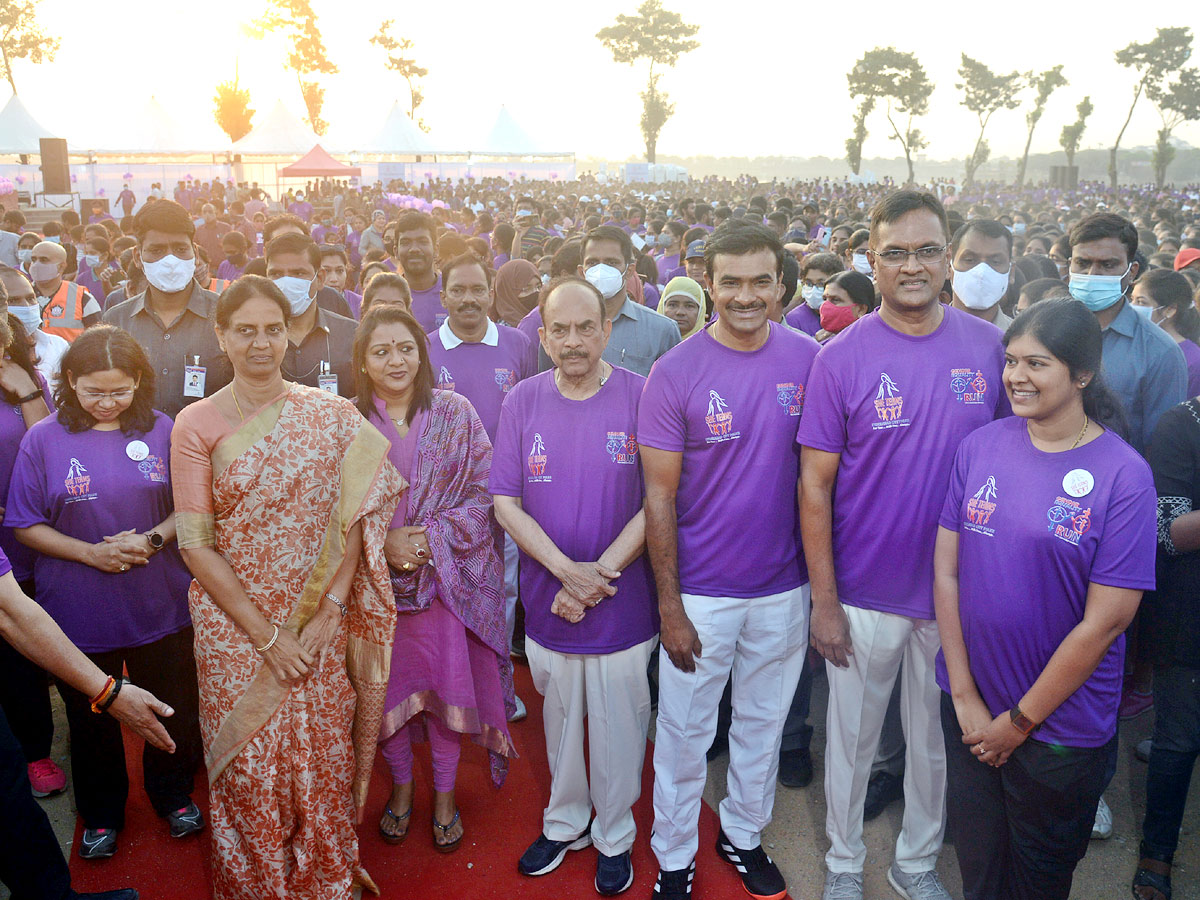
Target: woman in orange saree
283,498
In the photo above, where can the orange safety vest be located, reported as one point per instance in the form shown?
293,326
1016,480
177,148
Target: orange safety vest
218,285
63,315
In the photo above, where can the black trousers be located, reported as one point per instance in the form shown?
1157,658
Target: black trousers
31,863
25,698
1021,829
167,669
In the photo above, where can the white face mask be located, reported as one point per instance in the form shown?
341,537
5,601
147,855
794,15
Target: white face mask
28,316
297,292
813,296
608,280
980,287
860,263
170,274
92,259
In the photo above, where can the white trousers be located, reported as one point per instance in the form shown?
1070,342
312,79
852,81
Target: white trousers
763,640
611,690
512,556
858,700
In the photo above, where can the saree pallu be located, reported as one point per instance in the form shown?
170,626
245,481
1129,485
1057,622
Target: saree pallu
448,477
287,764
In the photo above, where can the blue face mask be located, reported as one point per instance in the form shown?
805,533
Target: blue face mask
1097,292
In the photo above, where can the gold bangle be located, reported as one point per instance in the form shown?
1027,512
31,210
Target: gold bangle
271,643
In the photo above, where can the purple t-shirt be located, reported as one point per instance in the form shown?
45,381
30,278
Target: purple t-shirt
302,209
666,265
529,326
805,318
5,565
1034,529
896,407
12,430
88,485
733,415
427,307
574,464
1191,355
483,373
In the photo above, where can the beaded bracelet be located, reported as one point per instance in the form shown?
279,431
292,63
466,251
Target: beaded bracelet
339,604
271,643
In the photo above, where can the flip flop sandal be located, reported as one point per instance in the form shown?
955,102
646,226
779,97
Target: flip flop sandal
1152,881
390,838
451,846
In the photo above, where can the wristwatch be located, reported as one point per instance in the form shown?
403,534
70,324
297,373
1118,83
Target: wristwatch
1022,722
156,540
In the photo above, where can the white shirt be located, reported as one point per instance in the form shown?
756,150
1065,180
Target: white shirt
450,340
50,349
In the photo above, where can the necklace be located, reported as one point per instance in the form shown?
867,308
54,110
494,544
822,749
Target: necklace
235,402
603,377
1082,432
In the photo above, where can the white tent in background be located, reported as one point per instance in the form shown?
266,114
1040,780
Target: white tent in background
20,131
153,130
398,136
278,133
508,138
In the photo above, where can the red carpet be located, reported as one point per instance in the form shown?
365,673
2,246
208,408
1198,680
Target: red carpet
499,826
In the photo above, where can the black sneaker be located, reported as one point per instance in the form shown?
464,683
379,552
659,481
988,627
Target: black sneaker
883,790
614,874
545,855
98,843
124,894
675,884
795,768
760,877
185,820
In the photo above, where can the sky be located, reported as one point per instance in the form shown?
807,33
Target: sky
767,79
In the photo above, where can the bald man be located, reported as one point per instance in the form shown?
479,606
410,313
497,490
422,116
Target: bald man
67,308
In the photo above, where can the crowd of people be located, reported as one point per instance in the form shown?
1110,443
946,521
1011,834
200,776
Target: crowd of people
315,471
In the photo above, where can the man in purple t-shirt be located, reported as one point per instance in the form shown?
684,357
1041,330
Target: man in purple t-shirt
889,401
414,250
568,489
717,427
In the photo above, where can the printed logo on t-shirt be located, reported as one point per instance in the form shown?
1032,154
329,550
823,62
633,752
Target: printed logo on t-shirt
506,379
980,509
889,404
154,468
622,447
719,420
78,482
1068,520
791,397
445,380
537,460
969,386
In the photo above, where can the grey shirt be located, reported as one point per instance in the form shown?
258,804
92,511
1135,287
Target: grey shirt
171,348
639,337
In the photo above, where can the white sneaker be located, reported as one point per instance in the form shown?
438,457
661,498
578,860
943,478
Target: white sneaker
922,886
843,886
521,712
1102,829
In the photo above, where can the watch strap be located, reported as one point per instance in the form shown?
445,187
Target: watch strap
1022,722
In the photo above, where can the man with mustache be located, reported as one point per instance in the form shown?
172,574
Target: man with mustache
414,251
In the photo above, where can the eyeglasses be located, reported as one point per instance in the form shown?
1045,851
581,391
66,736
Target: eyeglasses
477,291
97,396
894,258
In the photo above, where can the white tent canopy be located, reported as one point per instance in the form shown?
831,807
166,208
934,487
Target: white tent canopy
508,138
154,130
279,133
398,136
19,130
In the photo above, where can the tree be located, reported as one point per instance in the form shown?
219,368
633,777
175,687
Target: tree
404,66
1176,103
21,37
985,93
660,37
1153,61
1073,134
854,143
297,23
231,109
888,74
1043,85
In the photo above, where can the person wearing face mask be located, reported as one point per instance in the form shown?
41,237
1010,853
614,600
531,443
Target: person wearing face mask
848,296
234,248
1144,365
48,349
856,253
670,261
1165,298
67,308
94,266
25,244
320,342
980,264
173,317
815,270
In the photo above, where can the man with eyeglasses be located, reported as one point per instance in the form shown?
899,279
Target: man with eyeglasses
888,403
173,318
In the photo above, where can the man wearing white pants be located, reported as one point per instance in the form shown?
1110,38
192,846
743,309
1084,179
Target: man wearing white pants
717,425
568,489
888,403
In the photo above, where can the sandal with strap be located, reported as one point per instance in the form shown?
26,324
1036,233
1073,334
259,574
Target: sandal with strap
388,836
1152,881
446,846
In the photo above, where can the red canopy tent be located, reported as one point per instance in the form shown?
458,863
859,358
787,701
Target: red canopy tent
316,163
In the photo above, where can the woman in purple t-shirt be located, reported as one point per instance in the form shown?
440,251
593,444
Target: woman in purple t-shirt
1046,542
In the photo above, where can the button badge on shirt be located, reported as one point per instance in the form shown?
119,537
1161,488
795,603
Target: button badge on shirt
1078,482
137,450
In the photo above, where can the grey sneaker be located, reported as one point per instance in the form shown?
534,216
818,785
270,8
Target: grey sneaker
1102,828
922,886
843,886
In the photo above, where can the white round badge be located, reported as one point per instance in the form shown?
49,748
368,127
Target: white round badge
1078,482
137,450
